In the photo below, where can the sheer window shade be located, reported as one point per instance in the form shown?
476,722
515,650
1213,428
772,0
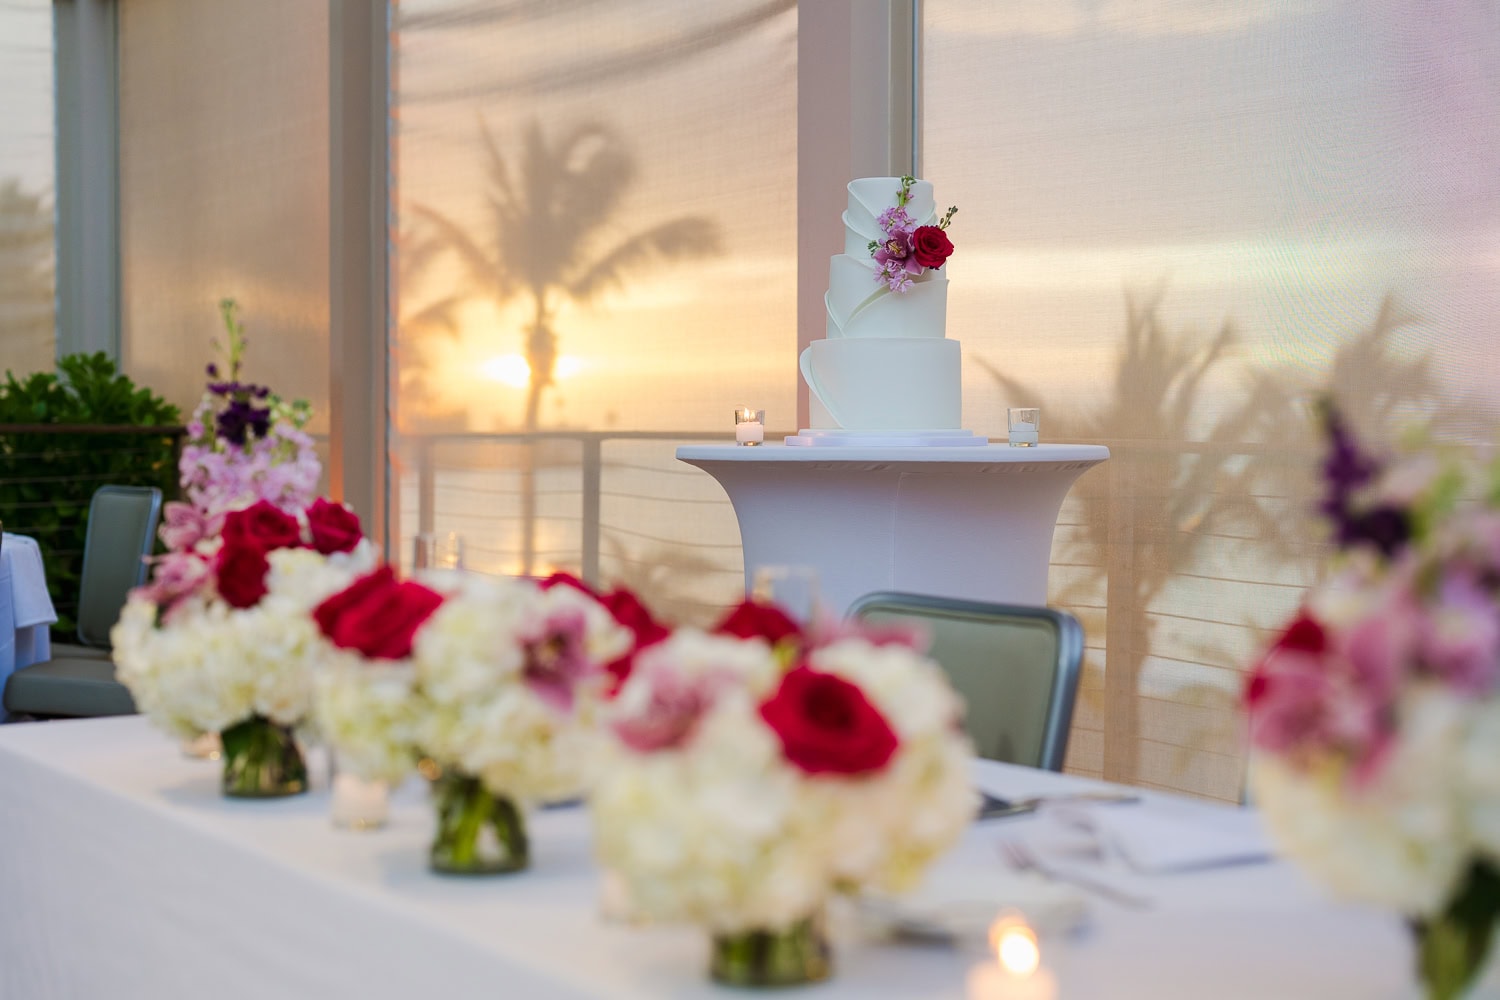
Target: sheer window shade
27,248
1178,221
224,191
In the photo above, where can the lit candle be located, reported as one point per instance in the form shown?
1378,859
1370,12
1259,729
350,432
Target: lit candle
1016,973
749,426
359,804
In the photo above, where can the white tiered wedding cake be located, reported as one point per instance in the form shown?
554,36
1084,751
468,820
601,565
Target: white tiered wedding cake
886,374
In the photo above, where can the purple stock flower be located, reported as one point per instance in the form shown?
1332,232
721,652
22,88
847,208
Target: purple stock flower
1347,469
896,218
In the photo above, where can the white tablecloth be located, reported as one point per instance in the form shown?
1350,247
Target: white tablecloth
25,608
125,875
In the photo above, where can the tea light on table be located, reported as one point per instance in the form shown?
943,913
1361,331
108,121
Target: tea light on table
359,804
1016,972
749,426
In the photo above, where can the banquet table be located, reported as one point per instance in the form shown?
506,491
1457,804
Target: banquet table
25,607
124,874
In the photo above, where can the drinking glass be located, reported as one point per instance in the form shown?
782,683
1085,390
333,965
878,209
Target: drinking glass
1025,425
792,588
438,551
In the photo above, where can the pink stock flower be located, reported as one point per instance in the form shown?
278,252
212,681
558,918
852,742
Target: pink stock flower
183,526
1318,694
176,575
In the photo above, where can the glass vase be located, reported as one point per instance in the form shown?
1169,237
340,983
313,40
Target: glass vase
478,832
262,760
1455,949
788,957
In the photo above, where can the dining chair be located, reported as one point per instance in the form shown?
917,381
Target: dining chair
79,680
1017,668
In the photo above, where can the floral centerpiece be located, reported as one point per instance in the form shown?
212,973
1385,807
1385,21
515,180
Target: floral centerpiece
219,642
759,767
494,683
909,250
1375,715
222,640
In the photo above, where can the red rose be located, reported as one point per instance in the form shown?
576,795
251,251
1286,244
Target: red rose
376,615
240,573
628,611
1304,635
827,725
766,621
931,246
568,580
264,526
333,608
335,528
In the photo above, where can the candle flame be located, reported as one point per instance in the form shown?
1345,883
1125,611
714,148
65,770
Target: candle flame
1015,947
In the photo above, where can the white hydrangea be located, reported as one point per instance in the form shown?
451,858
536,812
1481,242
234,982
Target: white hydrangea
367,712
478,713
213,666
1400,841
721,830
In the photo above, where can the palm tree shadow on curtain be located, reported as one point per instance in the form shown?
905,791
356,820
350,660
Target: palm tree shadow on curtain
552,206
1170,499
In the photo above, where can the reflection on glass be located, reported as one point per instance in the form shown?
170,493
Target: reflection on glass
438,551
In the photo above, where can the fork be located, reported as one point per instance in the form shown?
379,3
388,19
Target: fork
1022,859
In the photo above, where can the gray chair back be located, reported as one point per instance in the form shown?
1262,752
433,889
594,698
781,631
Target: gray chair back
1017,668
121,530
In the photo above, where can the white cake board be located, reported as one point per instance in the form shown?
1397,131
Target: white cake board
839,438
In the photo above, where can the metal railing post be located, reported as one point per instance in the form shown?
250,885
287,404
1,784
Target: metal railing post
593,463
426,487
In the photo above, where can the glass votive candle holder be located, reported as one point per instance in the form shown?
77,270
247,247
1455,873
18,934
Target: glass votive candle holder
1025,424
749,426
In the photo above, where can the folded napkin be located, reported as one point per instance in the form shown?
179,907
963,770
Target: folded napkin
28,581
1154,838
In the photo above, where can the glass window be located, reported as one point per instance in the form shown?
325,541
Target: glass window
596,260
27,247
1177,221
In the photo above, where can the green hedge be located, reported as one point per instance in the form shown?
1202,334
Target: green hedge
63,435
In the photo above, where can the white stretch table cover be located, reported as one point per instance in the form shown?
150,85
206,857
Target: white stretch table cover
125,875
972,523
25,607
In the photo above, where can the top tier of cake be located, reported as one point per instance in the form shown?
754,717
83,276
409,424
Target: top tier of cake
858,304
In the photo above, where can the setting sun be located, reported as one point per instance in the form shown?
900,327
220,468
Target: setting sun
512,369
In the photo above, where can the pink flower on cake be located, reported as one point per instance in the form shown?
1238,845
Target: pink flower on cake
908,250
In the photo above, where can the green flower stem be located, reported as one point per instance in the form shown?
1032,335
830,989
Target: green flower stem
1451,948
262,760
478,832
791,956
